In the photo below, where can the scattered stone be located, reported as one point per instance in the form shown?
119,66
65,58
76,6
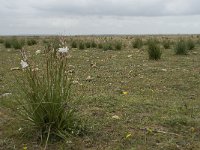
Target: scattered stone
5,94
89,78
93,65
129,56
37,52
164,70
14,68
75,82
194,53
115,117
35,69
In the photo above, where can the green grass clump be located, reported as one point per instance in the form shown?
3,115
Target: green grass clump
17,44
181,47
118,45
107,46
31,42
93,44
74,44
7,43
1,40
166,44
190,44
46,103
154,50
137,43
87,45
100,45
81,46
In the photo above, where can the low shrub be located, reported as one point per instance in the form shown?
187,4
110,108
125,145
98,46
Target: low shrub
166,44
7,43
154,50
17,44
118,45
93,44
31,42
1,40
190,44
74,44
181,47
137,43
100,45
87,45
107,46
81,45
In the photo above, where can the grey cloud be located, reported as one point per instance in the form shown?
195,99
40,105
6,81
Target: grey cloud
119,7
99,16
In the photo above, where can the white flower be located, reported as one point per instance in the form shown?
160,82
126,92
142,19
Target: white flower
63,50
24,64
37,52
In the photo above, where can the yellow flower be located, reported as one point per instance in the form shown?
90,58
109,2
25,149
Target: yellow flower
25,147
128,135
125,93
192,129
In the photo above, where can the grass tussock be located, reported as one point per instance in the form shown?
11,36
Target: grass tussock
181,47
166,43
154,50
31,42
137,43
190,44
45,103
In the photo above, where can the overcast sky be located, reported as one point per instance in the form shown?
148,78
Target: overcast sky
99,17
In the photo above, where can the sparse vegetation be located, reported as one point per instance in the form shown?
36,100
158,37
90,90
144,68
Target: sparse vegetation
127,101
190,44
137,43
87,44
181,47
81,45
31,42
7,43
17,44
93,44
100,45
118,45
166,43
74,44
107,46
1,40
154,50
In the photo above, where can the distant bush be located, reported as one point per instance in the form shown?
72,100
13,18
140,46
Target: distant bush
93,44
45,41
166,44
107,46
17,43
1,40
31,42
154,50
190,44
87,45
74,44
181,47
81,46
137,43
7,43
100,45
118,45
